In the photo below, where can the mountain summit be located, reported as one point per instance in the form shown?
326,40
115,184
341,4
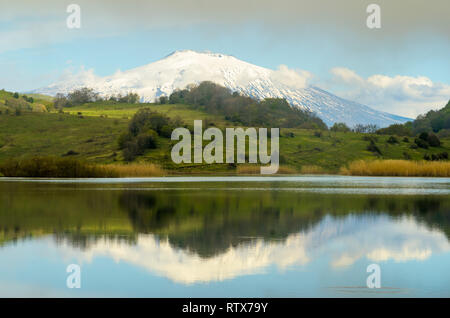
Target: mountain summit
182,68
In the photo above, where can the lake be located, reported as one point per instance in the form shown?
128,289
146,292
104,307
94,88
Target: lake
308,236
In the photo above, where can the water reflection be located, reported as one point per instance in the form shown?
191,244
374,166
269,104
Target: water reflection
344,240
192,236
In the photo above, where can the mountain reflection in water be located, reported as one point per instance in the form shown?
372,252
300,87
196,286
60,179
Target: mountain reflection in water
191,236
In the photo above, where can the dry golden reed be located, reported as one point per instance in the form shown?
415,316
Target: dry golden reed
312,169
402,168
133,170
255,169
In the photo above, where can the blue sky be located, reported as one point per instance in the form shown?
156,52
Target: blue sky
402,68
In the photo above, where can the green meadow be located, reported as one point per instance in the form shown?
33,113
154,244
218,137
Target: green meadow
90,132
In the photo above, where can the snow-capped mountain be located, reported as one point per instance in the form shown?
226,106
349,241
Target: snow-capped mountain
182,68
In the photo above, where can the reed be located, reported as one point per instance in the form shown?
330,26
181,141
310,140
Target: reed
397,168
55,167
134,170
256,169
312,169
52,167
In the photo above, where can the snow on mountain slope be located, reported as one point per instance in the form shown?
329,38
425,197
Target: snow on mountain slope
182,68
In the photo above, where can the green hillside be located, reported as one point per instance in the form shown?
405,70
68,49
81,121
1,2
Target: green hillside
15,102
91,131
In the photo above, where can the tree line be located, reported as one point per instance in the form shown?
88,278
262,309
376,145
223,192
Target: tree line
88,95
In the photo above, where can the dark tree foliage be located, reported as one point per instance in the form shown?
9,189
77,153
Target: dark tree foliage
271,112
60,101
436,157
143,130
395,129
369,129
28,99
163,100
129,98
88,95
82,96
433,140
177,97
340,127
421,143
392,140
433,121
373,147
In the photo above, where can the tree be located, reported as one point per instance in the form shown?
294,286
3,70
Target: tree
392,140
370,128
60,101
433,140
163,100
82,96
395,129
340,127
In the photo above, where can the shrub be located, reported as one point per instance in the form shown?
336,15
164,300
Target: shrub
421,143
166,131
392,140
373,148
436,157
290,134
146,141
433,140
163,100
423,136
123,139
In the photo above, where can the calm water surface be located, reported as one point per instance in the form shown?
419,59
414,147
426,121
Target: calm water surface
225,236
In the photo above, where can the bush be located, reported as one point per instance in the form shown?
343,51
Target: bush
123,139
163,100
392,140
436,157
146,119
421,143
166,131
82,96
424,136
433,140
373,148
146,141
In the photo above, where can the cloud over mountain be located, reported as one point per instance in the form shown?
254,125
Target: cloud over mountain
407,95
183,68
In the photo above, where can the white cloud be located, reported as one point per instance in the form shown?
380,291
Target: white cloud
293,78
403,95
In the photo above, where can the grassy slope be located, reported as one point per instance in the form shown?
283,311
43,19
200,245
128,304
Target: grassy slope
41,102
94,137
